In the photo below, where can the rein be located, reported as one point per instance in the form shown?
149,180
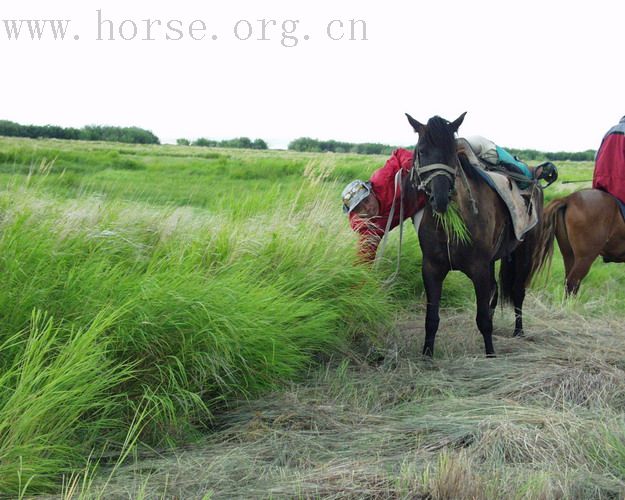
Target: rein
380,253
466,183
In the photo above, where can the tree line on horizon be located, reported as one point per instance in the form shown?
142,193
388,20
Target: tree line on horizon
136,135
307,144
133,135
532,154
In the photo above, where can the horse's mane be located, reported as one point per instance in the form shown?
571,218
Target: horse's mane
469,169
439,135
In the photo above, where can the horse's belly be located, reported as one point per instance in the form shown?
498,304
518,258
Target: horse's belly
614,250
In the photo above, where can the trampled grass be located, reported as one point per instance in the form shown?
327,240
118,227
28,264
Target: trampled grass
543,420
203,277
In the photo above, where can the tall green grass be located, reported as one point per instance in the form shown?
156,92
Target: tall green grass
210,309
57,399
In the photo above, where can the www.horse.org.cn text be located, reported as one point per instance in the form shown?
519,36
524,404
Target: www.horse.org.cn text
288,33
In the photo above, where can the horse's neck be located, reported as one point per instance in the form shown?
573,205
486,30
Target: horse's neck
467,193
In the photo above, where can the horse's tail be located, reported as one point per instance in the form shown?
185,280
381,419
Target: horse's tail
516,270
553,223
533,254
508,277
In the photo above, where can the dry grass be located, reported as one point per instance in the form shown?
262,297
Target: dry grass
543,420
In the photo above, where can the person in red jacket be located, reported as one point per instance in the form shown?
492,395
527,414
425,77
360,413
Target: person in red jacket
609,174
369,203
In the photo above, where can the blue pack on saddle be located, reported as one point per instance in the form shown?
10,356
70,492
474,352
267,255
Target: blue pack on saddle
490,153
514,164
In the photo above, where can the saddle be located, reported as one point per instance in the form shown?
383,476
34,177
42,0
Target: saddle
495,159
520,202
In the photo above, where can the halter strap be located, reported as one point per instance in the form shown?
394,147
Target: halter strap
436,166
434,170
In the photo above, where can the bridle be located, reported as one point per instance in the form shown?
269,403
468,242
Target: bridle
421,177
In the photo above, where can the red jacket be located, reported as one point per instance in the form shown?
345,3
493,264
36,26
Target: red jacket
383,186
609,172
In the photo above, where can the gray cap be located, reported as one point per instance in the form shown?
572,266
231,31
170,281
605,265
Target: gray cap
354,193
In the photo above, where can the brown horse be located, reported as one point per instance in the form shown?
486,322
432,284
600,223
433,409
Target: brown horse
447,177
586,224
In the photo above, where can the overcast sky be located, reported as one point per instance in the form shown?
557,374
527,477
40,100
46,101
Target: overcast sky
538,74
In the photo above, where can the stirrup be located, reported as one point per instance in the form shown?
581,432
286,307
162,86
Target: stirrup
546,172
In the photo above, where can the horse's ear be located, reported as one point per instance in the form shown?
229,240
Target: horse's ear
455,125
416,126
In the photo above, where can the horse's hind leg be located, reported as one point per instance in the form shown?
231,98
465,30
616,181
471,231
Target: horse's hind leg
568,256
522,265
494,295
482,283
577,273
518,296
578,256
581,239
433,280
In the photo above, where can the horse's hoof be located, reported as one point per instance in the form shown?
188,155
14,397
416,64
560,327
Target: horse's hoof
518,333
427,359
493,355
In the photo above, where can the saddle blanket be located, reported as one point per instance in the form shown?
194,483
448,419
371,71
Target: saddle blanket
522,214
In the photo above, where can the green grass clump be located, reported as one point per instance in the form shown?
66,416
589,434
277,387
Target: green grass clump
211,310
454,226
57,400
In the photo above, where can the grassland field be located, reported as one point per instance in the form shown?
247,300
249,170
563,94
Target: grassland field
190,322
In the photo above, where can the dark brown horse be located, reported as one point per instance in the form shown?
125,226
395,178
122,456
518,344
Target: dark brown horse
586,224
447,177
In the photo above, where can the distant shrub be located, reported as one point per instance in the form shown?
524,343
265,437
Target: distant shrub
239,143
134,135
306,144
118,134
259,144
183,142
208,143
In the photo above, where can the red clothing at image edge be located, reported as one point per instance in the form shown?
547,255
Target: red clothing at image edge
609,174
383,185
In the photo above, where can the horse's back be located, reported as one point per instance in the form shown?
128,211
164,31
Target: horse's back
593,219
592,198
590,207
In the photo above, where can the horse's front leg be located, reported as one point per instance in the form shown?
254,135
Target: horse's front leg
433,276
483,284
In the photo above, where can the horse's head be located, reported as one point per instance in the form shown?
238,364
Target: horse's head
435,158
